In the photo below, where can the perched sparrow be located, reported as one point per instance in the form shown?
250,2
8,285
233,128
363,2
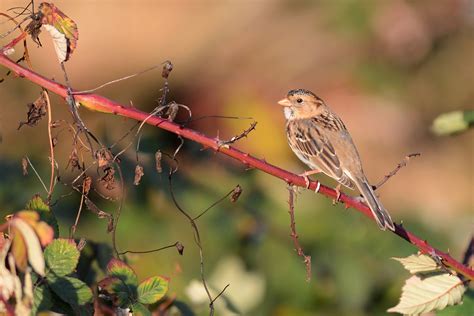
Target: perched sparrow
319,138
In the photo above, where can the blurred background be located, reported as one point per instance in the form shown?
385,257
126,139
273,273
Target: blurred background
387,67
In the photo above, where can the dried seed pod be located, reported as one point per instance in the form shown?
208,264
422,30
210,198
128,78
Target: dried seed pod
180,248
236,194
167,68
24,166
138,174
172,111
158,157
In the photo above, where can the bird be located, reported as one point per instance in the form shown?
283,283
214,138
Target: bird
320,139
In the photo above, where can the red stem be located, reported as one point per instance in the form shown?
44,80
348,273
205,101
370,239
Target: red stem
102,104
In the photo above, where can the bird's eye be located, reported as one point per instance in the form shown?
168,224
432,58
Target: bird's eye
299,100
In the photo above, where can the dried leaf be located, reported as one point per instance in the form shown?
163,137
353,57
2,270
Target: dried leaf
34,28
426,294
418,263
44,232
36,111
86,185
62,29
74,161
158,157
138,174
100,214
108,179
33,246
104,157
236,193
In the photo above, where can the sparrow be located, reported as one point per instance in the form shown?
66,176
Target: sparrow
321,140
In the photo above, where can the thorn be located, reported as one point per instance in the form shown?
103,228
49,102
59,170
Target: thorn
338,194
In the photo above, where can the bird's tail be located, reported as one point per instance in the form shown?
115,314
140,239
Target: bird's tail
381,215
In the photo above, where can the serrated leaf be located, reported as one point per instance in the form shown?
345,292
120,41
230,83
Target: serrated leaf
32,243
152,289
466,308
426,294
42,299
140,310
63,30
418,263
116,291
62,256
37,204
123,271
71,290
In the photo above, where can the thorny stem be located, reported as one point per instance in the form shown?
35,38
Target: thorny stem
294,235
402,164
102,104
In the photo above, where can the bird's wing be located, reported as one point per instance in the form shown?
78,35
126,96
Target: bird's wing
316,150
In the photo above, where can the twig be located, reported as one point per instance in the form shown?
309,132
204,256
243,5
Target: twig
214,204
37,174
197,240
51,145
176,245
99,103
115,81
294,235
119,210
239,136
76,222
219,295
402,164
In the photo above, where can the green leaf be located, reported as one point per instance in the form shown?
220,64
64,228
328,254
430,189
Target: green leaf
429,293
452,122
123,271
152,289
37,204
42,299
418,263
140,310
71,290
62,256
117,291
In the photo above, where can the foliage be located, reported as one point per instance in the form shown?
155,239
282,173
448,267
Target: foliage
430,288
121,287
47,271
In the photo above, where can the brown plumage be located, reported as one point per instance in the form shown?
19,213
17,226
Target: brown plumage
320,139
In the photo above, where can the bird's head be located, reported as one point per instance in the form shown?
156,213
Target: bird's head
300,103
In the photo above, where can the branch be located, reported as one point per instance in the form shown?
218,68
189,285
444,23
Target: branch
294,235
101,104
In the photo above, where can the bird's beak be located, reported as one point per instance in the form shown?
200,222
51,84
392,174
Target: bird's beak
284,102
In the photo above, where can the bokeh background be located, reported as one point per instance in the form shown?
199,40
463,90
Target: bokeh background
387,67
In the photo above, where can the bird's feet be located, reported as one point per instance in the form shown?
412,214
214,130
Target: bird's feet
306,178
